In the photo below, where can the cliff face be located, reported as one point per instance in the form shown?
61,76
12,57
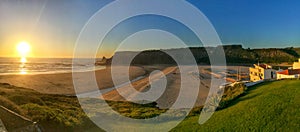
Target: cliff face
233,53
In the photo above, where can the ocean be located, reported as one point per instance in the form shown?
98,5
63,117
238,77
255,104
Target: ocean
17,66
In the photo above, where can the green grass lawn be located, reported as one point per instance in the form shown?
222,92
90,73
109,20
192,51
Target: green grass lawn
271,106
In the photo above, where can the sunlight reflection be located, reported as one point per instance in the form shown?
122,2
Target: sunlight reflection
23,69
23,60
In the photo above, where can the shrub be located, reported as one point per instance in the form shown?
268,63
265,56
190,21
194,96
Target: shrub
23,99
231,93
40,113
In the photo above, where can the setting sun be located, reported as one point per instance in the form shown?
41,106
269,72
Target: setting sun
23,48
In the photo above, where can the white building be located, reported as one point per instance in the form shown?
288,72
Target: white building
296,65
262,72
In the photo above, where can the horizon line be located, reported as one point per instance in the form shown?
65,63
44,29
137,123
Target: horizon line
68,57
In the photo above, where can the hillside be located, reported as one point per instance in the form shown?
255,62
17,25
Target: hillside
272,106
234,54
52,112
277,55
297,50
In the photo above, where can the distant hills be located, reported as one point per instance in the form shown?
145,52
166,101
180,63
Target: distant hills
234,54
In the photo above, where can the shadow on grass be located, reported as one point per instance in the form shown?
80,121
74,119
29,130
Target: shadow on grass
240,99
258,85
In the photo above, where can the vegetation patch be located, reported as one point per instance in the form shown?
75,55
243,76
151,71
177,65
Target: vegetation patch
231,93
61,111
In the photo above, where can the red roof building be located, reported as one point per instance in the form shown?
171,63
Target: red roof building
295,73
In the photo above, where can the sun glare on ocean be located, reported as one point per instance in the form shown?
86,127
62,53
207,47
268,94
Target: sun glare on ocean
23,49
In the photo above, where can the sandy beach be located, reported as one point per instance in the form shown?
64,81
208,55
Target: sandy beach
62,83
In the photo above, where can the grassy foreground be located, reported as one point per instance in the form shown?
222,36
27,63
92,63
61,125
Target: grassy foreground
267,107
271,106
59,112
52,112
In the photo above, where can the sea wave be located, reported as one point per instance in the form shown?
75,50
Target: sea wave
13,66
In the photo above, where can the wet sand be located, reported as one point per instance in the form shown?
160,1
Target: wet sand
170,94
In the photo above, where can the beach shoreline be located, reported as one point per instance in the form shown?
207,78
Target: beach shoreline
62,83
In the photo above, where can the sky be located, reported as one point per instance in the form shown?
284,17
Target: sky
53,26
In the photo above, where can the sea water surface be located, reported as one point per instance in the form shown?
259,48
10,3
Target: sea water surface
18,66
